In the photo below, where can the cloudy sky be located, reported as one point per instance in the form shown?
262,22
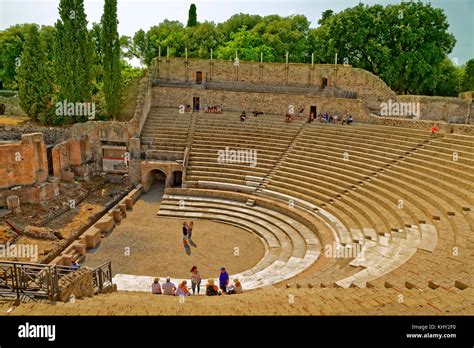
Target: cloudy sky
142,14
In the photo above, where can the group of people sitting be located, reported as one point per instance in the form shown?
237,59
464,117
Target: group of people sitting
255,112
213,109
168,288
326,118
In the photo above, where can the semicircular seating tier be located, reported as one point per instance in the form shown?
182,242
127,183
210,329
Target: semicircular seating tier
397,200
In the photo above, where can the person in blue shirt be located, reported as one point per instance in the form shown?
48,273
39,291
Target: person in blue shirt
223,280
75,266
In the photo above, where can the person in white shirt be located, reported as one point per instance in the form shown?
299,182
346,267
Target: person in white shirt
156,287
169,288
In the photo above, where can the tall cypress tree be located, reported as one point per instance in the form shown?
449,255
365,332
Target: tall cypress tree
111,57
192,16
34,76
73,54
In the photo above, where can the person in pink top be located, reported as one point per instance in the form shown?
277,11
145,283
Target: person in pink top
156,287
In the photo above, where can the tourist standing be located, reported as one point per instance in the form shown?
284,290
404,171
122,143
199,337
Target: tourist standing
190,230
195,280
223,280
185,234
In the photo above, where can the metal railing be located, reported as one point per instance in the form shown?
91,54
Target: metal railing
38,281
102,277
33,280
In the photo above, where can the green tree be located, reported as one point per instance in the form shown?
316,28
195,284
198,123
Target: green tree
201,38
468,77
247,44
284,34
74,55
11,46
145,45
405,44
192,16
237,22
110,48
34,76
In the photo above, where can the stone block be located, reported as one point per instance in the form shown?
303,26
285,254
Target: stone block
13,203
92,237
105,224
80,248
67,176
117,215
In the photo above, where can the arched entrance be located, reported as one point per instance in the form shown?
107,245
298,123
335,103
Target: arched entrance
155,182
169,172
177,179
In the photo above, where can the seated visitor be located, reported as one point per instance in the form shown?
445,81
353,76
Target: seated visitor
235,288
335,118
349,119
182,289
311,117
211,288
287,118
156,287
74,265
344,120
243,116
169,288
301,112
206,108
434,129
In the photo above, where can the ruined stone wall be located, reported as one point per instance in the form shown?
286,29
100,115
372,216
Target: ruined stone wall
76,285
346,77
447,109
269,103
51,135
370,88
23,162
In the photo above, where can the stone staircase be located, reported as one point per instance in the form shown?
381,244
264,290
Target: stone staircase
401,197
290,246
265,301
166,130
266,179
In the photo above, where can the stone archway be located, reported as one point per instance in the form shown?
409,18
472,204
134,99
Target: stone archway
149,170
